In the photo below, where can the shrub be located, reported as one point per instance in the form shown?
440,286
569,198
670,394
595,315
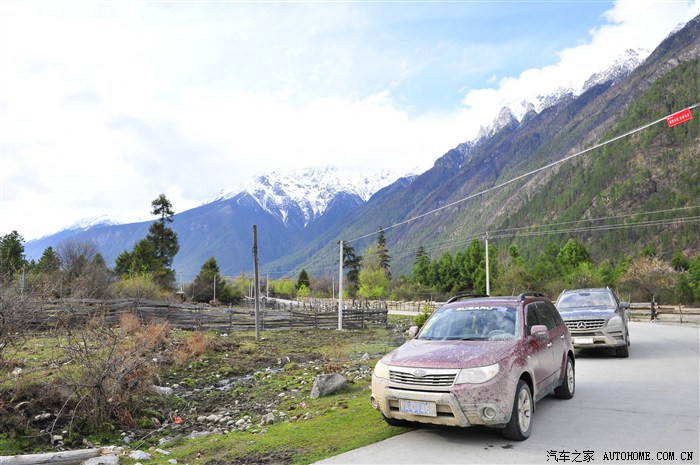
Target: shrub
420,319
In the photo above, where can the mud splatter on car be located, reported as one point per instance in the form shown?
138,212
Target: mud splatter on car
478,361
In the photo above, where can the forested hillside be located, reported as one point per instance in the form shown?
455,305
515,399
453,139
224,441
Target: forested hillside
624,197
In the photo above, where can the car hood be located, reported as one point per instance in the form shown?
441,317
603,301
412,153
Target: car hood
583,313
418,353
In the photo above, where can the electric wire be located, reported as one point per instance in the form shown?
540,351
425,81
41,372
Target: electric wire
523,231
522,176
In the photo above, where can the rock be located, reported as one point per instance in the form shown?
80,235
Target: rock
328,384
42,417
168,439
162,390
268,419
198,434
102,460
139,455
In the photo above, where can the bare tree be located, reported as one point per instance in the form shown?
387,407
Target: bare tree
652,275
84,270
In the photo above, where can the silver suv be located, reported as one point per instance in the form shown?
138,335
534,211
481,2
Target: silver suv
596,318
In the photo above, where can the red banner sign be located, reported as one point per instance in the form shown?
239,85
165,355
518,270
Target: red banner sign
680,117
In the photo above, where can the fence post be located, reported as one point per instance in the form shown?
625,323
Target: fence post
230,318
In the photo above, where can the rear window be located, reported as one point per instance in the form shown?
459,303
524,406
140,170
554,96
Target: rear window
472,322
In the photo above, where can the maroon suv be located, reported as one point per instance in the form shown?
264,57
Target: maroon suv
478,361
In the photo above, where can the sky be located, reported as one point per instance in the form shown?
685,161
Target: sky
106,105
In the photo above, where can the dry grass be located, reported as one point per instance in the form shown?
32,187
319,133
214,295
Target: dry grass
194,346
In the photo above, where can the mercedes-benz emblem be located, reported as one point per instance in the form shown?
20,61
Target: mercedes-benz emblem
581,325
419,373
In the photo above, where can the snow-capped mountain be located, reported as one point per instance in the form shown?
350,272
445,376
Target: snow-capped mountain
623,66
88,223
514,112
311,190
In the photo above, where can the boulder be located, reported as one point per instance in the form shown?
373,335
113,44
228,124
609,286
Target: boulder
325,385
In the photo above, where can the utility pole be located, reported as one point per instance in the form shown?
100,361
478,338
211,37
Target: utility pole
488,290
257,286
340,289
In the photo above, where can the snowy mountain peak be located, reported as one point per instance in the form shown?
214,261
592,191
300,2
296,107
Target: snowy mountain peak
89,223
311,190
620,69
505,118
517,111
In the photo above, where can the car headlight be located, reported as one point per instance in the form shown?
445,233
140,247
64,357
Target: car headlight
381,370
477,375
614,321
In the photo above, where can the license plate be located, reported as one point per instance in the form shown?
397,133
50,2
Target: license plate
414,407
583,340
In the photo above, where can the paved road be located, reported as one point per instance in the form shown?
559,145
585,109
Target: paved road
645,408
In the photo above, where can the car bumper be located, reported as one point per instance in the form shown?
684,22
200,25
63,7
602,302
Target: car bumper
463,405
612,336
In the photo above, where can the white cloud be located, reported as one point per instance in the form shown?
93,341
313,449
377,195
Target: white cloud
104,106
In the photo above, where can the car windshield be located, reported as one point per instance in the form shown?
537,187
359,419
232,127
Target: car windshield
575,300
470,322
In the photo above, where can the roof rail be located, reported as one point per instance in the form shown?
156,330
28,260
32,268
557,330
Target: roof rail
465,296
524,295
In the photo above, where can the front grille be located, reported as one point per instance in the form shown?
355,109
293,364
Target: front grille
429,380
584,325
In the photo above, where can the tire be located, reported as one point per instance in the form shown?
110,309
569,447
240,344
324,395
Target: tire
622,351
520,424
568,385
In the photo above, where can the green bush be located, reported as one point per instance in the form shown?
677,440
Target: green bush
420,319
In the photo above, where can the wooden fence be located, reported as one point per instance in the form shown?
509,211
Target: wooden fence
647,311
274,315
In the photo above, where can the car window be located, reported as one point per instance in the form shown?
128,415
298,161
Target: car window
548,315
585,299
531,317
471,322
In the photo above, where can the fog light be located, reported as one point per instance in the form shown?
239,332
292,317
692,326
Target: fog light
374,403
489,413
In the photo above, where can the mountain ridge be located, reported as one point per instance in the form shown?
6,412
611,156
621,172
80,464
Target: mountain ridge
297,235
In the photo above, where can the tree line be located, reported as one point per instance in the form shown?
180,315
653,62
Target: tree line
643,277
76,269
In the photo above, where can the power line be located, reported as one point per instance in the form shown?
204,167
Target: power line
523,231
522,176
590,220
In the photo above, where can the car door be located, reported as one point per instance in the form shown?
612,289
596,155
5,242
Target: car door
550,317
541,350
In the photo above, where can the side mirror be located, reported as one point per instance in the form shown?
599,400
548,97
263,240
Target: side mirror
539,332
413,331
624,305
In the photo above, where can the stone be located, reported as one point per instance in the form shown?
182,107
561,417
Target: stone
162,390
139,455
102,460
325,385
